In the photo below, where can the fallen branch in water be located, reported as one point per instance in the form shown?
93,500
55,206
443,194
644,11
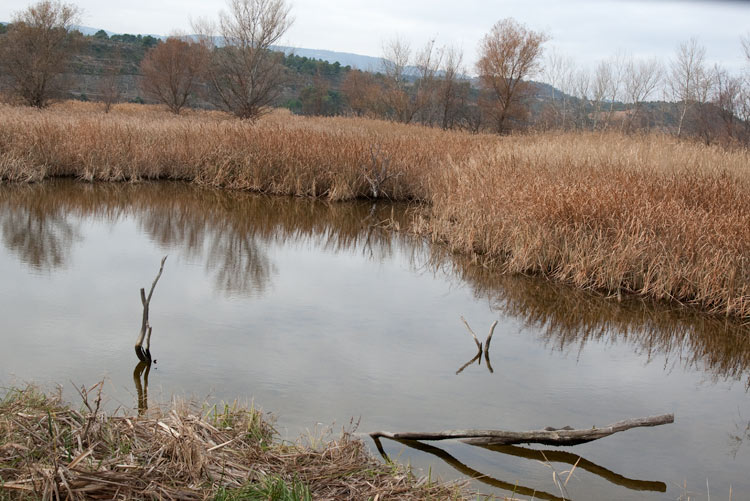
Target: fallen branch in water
144,354
547,436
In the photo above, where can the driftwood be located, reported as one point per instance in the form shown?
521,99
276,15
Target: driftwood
144,354
548,436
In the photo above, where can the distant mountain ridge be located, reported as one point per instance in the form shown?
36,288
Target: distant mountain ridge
357,61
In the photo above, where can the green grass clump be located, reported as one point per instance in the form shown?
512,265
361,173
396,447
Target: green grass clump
271,488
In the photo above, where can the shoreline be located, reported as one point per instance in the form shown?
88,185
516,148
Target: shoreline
183,451
621,215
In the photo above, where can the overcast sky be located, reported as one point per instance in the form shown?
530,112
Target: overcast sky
587,30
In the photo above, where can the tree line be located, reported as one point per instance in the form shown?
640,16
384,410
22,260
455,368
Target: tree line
230,64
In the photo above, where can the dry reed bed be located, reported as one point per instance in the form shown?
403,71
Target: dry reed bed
644,215
279,155
49,450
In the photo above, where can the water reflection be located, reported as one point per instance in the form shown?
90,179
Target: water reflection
569,318
140,378
231,233
37,230
336,360
543,456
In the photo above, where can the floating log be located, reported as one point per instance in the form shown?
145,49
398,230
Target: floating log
547,436
144,354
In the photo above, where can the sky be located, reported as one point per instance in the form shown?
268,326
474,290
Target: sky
586,30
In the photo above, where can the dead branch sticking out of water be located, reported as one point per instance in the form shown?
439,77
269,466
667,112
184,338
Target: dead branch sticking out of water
547,436
144,354
480,350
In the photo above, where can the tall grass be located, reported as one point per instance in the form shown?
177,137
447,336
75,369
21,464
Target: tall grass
646,215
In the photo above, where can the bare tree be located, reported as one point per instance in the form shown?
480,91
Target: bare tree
410,95
640,80
744,107
728,98
582,92
396,58
705,110
363,94
36,49
686,72
244,73
451,93
172,71
427,62
558,73
604,94
508,54
109,83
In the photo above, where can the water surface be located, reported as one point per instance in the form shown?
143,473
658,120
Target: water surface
322,313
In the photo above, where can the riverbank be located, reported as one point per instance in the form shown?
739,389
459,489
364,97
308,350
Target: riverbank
53,450
645,215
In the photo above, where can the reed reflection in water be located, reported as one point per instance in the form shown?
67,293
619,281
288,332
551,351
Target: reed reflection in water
567,319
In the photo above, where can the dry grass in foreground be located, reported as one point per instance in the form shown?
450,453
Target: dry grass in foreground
49,450
646,215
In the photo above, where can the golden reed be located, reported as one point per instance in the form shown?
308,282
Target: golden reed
648,215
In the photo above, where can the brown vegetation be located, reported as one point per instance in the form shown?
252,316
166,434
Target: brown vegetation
647,215
35,51
49,450
508,55
172,71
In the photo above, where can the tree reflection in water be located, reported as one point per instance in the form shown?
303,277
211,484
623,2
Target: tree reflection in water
232,231
39,231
